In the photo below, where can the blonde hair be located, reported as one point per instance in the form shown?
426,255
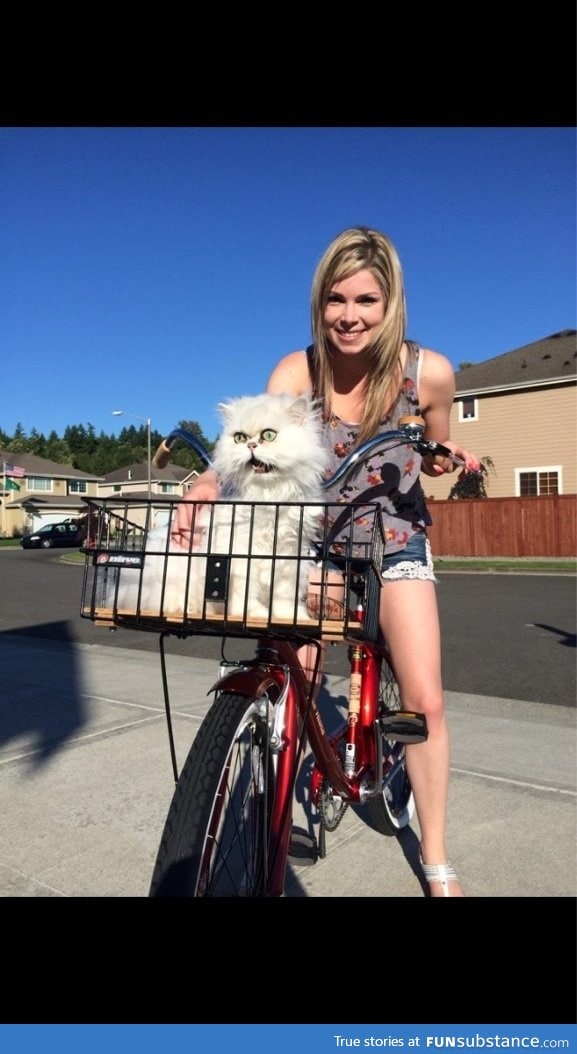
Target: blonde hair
357,249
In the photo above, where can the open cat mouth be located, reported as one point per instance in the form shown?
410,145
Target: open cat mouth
259,466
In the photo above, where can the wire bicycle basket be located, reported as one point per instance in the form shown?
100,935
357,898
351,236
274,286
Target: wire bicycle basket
290,570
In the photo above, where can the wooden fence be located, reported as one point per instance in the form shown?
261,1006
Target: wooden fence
545,526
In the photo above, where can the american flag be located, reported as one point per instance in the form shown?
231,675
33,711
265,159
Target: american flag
14,470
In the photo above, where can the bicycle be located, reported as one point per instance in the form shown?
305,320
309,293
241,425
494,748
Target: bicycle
228,828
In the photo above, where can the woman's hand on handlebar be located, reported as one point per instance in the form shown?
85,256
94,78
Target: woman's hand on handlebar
438,465
205,488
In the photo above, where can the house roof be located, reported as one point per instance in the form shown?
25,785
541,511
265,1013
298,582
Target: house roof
139,473
69,501
41,466
139,495
552,360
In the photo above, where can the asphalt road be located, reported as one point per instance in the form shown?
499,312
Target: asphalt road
509,636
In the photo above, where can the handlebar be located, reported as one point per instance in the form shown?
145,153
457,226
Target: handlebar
410,430
164,452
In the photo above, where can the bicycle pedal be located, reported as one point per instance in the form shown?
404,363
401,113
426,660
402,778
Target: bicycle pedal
404,726
303,848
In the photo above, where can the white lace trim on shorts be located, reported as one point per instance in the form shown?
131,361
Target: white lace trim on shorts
412,568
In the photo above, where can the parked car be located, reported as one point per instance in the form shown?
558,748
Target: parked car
54,534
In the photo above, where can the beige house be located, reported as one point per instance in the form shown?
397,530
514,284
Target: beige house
520,409
47,492
131,482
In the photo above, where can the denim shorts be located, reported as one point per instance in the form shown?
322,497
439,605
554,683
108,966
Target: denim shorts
414,561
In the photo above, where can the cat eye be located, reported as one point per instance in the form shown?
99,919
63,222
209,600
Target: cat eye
268,435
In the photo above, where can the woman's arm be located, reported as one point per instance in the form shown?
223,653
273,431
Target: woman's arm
290,375
436,395
204,488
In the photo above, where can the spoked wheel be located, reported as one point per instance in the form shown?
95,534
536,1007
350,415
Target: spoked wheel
392,810
215,841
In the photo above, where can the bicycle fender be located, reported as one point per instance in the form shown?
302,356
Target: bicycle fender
249,682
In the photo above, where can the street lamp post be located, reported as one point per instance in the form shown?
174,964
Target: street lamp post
117,413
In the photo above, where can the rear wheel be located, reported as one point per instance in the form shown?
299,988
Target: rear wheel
215,841
392,810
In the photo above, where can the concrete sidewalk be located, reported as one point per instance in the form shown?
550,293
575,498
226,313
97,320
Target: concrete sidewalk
86,782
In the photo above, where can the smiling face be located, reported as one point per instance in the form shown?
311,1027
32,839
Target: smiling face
354,312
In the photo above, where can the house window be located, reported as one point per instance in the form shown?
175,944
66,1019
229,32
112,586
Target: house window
536,482
117,488
77,486
167,488
39,483
468,409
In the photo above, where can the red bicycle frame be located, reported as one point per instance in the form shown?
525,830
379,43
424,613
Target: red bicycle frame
277,670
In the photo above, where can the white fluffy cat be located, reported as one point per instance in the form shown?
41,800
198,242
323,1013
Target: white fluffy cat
270,450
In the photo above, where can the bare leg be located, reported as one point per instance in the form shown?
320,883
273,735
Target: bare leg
410,623
330,584
308,658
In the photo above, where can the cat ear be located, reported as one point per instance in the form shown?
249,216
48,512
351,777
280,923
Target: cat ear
226,411
300,409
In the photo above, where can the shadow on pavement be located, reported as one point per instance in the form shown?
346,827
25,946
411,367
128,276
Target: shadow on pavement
569,639
41,704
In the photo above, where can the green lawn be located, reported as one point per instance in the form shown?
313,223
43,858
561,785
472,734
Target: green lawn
504,564
444,563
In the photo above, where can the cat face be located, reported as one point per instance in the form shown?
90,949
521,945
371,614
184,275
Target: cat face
252,444
268,437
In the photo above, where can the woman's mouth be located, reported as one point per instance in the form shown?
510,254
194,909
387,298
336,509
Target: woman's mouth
349,335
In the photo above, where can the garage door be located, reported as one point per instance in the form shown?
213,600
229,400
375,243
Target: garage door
48,517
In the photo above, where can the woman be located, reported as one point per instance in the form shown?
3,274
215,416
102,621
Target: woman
368,375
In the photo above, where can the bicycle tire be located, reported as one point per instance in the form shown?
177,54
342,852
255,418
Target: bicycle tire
215,837
393,809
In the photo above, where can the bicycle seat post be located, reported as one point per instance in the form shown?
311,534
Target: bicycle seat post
354,709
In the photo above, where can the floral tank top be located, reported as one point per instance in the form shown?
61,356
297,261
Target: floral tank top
391,478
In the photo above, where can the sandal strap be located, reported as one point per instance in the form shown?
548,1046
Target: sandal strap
443,873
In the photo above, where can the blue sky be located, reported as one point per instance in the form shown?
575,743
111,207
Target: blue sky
162,270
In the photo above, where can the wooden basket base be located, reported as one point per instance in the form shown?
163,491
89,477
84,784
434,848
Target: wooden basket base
326,629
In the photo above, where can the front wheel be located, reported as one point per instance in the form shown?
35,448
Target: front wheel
215,840
391,810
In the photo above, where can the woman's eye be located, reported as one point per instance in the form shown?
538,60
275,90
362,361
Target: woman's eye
334,298
240,437
269,435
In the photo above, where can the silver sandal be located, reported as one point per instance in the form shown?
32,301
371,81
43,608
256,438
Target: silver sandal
442,873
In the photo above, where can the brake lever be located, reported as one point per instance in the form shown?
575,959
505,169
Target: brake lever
430,446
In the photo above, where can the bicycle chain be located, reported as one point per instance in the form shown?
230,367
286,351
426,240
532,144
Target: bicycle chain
330,824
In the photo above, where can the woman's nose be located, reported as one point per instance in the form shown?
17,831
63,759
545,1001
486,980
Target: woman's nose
350,313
